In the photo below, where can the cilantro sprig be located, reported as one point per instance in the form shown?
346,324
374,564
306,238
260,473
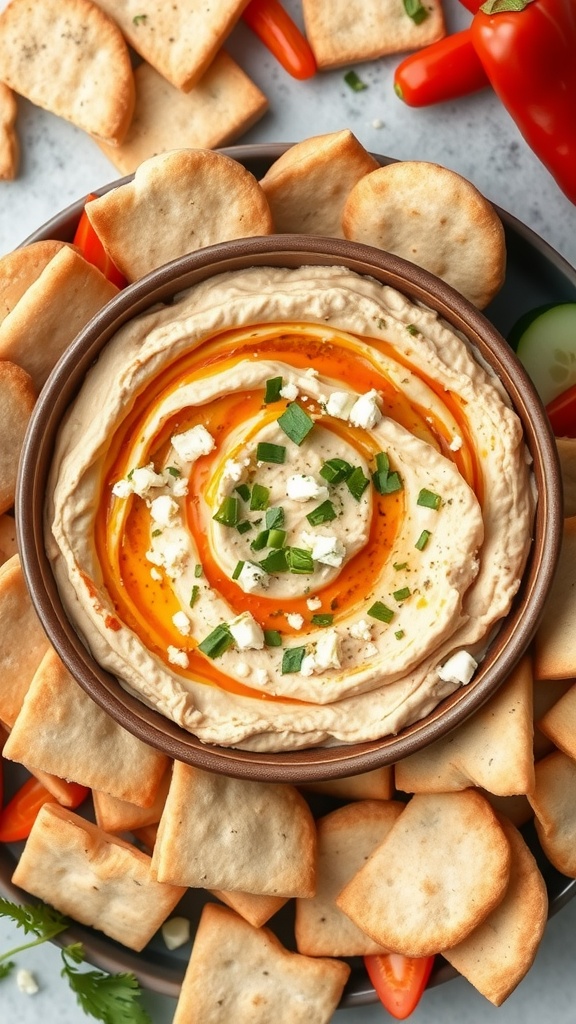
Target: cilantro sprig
112,998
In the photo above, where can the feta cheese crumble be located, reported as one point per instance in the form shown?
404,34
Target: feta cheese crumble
176,656
26,982
458,669
193,443
300,487
366,412
182,623
164,510
294,620
251,577
340,404
246,632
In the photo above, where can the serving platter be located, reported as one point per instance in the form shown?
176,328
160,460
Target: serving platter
536,275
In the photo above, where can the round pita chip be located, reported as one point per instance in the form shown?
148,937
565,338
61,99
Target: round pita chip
178,202
442,868
435,218
70,58
17,397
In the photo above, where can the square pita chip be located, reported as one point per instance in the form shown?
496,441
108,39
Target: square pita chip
492,749
497,955
62,731
223,105
115,816
243,974
96,879
346,838
223,833
179,40
346,31
18,660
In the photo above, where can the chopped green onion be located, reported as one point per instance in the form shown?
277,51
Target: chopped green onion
276,561
266,452
322,619
382,462
174,471
194,595
198,570
384,481
381,612
272,638
355,83
274,518
399,565
357,483
401,595
335,471
399,634
273,387
276,538
218,641
229,513
299,560
416,11
295,422
423,540
244,491
237,570
323,513
260,541
292,659
412,329
429,499
156,533
139,19
244,526
260,498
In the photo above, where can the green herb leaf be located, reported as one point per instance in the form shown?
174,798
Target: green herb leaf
237,570
272,638
40,919
323,513
276,561
412,329
292,659
244,527
322,619
273,388
399,634
299,560
139,19
385,482
276,538
260,498
197,570
428,499
6,968
244,491
401,595
260,541
194,595
274,518
229,512
295,422
381,612
399,565
174,471
267,452
335,471
416,11
355,83
357,483
112,998
217,642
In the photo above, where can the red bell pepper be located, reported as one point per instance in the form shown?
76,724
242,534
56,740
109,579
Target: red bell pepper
442,71
276,29
527,49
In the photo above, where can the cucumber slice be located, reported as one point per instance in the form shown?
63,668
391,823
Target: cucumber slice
545,343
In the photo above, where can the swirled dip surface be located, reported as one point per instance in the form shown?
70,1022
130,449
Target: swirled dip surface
289,509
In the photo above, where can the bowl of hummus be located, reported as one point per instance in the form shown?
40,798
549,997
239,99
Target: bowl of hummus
290,508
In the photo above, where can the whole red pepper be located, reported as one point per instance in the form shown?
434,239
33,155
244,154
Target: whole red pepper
527,48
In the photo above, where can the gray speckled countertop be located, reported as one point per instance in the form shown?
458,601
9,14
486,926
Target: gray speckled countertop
475,137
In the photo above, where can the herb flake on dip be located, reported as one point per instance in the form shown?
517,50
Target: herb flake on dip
289,509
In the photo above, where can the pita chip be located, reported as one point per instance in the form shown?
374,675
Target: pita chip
223,833
441,869
9,148
177,203
17,399
52,311
223,105
20,268
559,722
68,57
18,661
346,838
243,974
492,749
113,889
347,31
62,731
114,815
554,804
555,641
567,453
179,40
377,784
308,185
499,953
8,541
546,693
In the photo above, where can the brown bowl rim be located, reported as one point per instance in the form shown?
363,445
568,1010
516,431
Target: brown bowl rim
310,764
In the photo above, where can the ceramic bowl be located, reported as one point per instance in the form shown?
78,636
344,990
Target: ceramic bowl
307,765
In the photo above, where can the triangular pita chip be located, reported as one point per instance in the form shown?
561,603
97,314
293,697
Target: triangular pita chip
18,661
